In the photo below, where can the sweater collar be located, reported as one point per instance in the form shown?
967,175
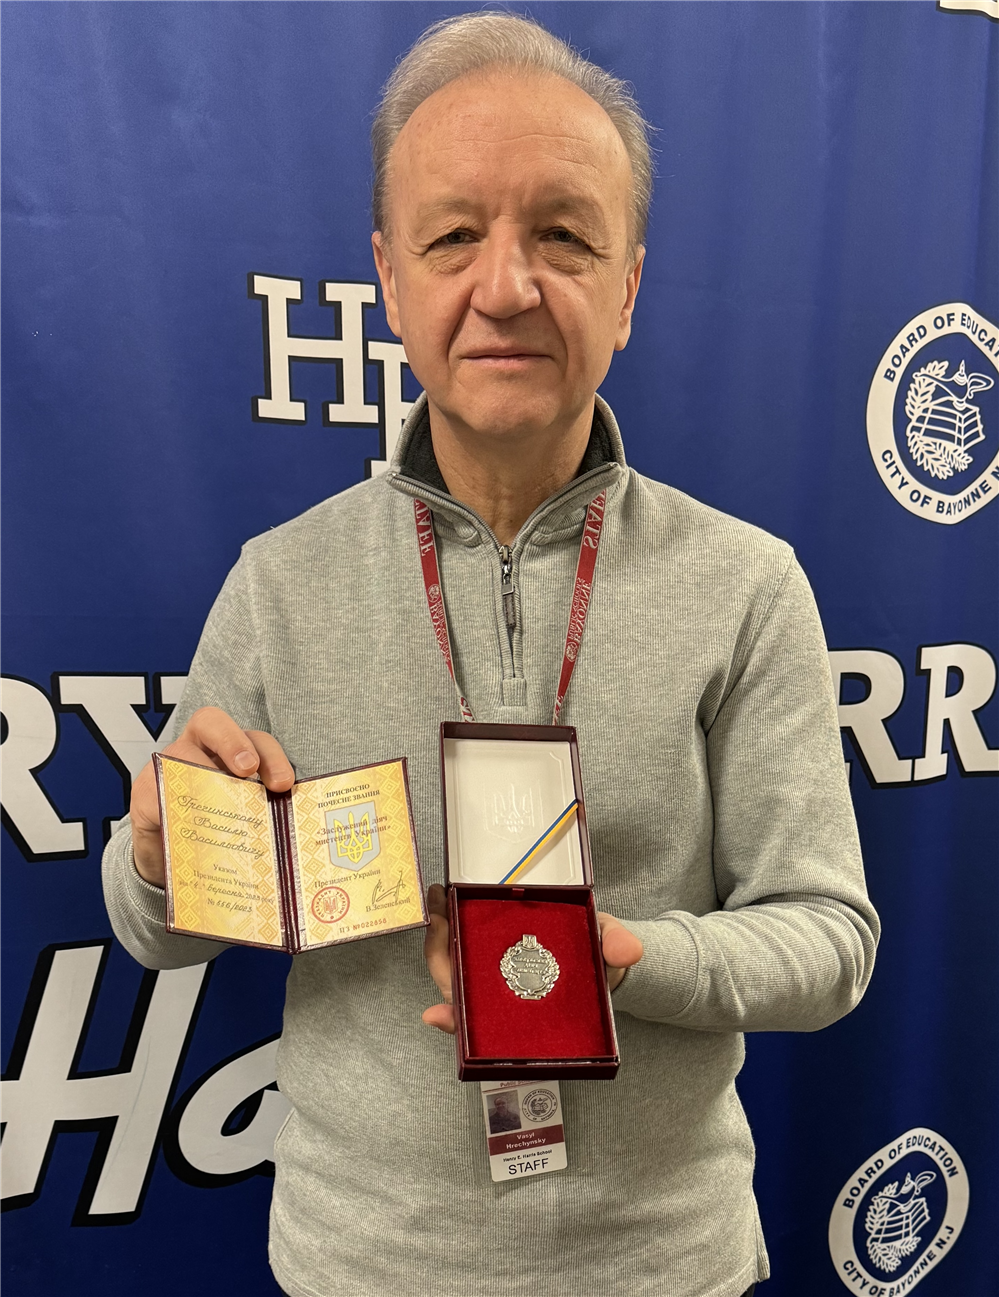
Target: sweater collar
415,472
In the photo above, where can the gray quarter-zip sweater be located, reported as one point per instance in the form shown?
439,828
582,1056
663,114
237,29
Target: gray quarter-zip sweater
722,834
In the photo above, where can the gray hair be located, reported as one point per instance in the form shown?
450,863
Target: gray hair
467,42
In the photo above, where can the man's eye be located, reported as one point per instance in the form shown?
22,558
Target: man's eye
454,237
562,236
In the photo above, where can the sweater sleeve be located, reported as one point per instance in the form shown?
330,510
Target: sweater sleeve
225,673
791,946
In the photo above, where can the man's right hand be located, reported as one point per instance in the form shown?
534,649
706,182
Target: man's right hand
210,738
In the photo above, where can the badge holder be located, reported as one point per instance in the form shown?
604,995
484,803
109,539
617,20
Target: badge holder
529,986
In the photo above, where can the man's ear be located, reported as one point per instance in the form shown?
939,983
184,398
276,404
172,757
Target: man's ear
631,284
386,275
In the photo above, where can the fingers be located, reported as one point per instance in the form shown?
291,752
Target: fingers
438,956
440,1016
275,769
435,942
241,752
147,848
210,738
437,900
621,948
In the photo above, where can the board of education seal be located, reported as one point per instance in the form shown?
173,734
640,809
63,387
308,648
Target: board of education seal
933,414
529,969
539,1105
330,904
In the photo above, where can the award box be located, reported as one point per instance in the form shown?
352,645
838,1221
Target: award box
503,787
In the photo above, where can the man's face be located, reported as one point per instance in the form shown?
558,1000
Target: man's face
506,268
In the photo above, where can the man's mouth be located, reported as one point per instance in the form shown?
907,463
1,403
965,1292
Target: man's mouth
501,355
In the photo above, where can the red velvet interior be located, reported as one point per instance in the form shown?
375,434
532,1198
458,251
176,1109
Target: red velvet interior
568,1022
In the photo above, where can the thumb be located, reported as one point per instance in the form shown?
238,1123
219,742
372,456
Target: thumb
621,948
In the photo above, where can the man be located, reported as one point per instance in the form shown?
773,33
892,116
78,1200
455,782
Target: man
510,202
501,1116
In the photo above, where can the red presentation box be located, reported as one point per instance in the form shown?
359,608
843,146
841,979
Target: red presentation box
530,989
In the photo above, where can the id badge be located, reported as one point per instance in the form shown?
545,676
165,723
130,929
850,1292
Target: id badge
524,1130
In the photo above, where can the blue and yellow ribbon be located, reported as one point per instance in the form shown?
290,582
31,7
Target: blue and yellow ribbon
527,860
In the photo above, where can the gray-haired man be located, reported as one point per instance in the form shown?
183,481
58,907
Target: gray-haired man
512,185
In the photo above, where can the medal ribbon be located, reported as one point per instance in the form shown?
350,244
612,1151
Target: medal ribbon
578,609
529,857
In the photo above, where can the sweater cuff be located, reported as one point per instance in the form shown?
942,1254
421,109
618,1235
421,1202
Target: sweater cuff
663,982
147,899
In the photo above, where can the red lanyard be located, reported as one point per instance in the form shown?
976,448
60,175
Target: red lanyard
578,609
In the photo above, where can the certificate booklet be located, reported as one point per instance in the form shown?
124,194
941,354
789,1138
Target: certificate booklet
332,860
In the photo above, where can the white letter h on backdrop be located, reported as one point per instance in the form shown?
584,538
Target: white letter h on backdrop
126,1104
349,351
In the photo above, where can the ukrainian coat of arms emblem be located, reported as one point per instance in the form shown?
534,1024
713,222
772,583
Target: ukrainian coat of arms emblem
510,815
353,836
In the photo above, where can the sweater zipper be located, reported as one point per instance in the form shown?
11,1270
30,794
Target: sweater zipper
506,588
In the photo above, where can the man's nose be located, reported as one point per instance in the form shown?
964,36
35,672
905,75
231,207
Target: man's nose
505,283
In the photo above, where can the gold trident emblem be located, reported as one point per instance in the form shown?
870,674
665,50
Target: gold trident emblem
352,839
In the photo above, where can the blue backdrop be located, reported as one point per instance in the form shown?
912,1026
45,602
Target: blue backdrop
822,263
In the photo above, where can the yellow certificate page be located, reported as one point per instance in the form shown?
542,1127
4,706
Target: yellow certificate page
357,871
222,878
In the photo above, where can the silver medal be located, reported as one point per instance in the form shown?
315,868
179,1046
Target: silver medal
530,970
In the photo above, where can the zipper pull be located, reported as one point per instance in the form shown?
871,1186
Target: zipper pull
506,585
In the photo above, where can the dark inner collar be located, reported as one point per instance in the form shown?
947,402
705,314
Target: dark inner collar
420,462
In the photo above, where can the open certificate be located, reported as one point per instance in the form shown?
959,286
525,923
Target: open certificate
332,860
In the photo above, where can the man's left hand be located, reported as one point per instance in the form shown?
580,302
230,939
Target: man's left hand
621,950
